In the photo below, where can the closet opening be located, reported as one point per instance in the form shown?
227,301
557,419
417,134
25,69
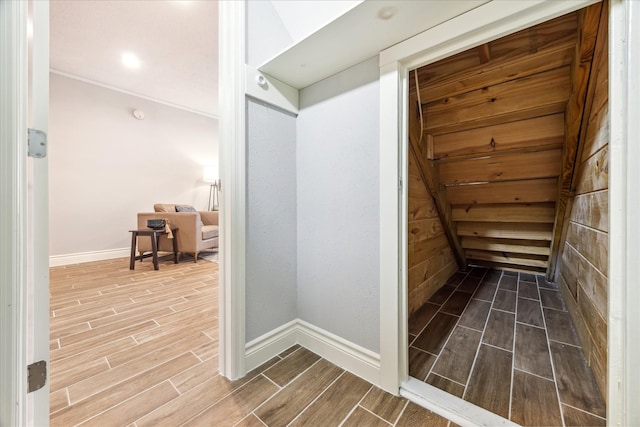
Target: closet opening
508,222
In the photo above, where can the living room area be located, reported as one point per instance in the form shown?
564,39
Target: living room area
126,135
131,137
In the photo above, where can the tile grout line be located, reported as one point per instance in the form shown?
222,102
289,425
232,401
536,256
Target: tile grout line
553,365
175,388
427,324
440,305
529,324
317,397
248,416
424,351
533,374
447,378
214,403
68,397
357,405
166,403
504,311
124,380
196,356
513,348
497,348
286,385
404,408
566,343
375,415
583,411
435,362
484,329
468,327
555,309
122,402
209,336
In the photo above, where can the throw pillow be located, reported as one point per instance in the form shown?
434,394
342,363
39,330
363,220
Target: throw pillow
185,208
163,207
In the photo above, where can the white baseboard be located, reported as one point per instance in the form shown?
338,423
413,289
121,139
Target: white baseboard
270,345
345,354
352,357
58,260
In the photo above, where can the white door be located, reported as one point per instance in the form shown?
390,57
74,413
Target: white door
24,243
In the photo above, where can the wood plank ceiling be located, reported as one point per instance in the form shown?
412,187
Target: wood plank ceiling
497,141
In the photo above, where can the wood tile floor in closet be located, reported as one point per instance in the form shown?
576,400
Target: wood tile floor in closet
504,341
139,348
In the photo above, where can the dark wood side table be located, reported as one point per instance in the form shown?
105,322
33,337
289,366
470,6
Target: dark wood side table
155,235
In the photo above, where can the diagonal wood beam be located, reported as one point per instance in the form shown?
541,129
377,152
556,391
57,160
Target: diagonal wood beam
428,170
577,113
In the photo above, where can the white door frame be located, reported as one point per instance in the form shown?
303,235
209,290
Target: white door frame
13,204
483,24
24,253
232,35
624,221
37,298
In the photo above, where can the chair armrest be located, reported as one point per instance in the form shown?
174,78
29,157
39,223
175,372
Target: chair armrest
209,217
189,229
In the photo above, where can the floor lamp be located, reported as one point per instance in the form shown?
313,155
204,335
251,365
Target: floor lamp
210,176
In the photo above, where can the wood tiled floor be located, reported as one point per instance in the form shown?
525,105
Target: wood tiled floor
504,341
139,348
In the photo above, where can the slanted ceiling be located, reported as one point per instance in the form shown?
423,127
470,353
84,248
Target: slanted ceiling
500,126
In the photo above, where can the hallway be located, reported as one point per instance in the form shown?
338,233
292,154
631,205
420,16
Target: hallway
504,341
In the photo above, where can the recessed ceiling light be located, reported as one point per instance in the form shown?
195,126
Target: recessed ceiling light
130,60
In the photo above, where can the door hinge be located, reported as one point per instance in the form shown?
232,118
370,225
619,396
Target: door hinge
400,184
36,375
37,143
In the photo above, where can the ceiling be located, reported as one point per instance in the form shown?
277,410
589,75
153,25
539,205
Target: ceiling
176,42
369,27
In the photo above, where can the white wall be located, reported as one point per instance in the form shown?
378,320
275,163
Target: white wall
105,166
276,25
338,204
271,219
266,33
302,18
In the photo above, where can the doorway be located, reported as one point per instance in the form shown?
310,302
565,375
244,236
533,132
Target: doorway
489,133
159,157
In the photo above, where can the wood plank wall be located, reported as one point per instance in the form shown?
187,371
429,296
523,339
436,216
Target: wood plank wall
430,258
583,271
495,115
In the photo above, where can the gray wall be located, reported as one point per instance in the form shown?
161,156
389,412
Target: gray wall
338,204
313,202
105,166
271,219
